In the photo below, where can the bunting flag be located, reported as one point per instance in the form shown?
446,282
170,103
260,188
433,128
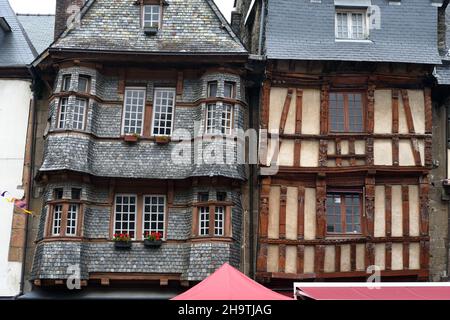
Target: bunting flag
18,203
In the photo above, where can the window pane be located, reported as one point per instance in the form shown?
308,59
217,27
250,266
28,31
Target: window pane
343,213
212,89
164,106
219,221
204,221
64,104
154,214
72,214
79,110
57,215
83,84
134,110
229,90
210,118
66,83
152,16
125,215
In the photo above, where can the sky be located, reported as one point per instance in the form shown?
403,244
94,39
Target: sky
48,6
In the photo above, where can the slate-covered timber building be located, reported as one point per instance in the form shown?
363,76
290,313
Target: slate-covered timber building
348,88
128,82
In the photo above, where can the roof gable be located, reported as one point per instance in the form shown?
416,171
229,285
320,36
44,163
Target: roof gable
189,27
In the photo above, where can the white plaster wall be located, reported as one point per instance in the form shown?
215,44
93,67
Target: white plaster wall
15,96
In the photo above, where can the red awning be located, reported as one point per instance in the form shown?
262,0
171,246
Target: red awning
227,283
372,291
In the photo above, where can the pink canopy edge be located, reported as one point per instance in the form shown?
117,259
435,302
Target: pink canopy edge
227,283
383,293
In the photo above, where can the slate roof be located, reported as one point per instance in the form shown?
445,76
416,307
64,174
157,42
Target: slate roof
305,30
39,28
15,47
189,27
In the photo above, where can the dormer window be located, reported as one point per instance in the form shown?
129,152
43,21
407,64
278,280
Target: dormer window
151,17
351,24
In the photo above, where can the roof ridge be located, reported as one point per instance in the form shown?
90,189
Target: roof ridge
36,14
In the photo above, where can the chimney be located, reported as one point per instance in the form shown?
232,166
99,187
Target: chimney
64,9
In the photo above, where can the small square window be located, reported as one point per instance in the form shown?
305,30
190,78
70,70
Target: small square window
66,83
58,193
212,89
203,197
152,16
221,196
229,90
76,194
83,84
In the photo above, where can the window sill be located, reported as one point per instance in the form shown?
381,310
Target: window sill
345,236
354,40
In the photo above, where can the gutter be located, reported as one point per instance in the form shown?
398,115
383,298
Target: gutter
31,159
261,26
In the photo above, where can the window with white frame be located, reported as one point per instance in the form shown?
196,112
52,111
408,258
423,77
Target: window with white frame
212,89
227,115
211,118
133,113
72,213
163,110
204,221
125,215
66,83
225,118
63,108
83,84
228,90
351,24
57,217
219,221
154,214
79,110
152,16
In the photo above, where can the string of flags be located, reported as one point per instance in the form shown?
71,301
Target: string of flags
18,203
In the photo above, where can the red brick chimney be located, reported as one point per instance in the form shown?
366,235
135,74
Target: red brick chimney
64,9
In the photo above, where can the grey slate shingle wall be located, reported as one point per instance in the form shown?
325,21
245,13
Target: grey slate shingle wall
303,30
194,261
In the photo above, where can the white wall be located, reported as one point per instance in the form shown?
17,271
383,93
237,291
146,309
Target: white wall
15,96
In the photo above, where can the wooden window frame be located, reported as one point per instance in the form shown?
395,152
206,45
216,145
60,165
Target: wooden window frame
210,207
346,112
343,193
64,218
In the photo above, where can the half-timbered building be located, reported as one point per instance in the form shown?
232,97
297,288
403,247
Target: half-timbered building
137,92
347,88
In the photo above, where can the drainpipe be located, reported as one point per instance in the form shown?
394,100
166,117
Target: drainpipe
261,26
31,158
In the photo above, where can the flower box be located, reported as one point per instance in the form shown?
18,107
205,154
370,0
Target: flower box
150,30
131,138
122,244
152,243
162,139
